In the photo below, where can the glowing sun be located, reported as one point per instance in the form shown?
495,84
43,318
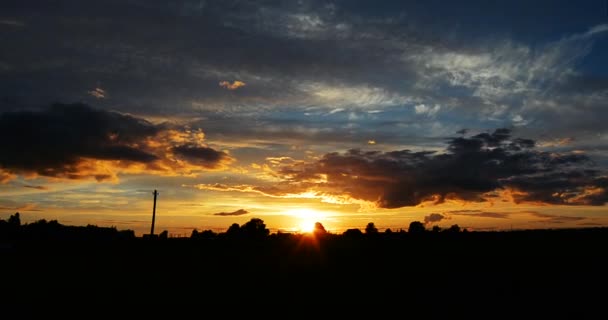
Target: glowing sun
306,218
307,226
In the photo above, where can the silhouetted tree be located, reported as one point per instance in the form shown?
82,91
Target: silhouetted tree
388,231
416,227
194,234
319,230
453,229
371,228
255,228
14,220
234,230
352,233
436,228
207,234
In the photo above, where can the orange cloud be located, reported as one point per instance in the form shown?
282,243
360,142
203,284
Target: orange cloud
6,176
232,86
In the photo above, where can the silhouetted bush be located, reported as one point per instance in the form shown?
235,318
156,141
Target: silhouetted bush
352,233
254,228
416,227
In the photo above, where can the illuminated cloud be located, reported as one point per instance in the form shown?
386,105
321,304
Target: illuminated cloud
239,212
339,97
278,191
427,110
321,78
232,86
21,208
472,169
558,142
98,93
75,141
6,176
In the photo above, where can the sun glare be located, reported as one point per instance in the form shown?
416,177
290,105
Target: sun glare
306,218
307,226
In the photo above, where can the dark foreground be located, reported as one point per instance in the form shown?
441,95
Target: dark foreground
496,274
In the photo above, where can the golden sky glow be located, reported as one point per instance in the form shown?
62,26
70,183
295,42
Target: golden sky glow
342,113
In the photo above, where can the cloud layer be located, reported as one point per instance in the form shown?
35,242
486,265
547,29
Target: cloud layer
482,167
75,141
239,212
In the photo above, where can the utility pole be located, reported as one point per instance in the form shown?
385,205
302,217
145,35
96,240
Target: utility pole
155,193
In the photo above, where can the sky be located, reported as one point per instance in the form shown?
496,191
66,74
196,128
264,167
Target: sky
489,115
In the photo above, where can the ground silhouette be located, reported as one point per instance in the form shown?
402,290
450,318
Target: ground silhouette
551,271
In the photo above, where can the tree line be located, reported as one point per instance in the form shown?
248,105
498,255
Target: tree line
255,228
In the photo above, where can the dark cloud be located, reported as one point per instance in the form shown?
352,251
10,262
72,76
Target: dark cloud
434,217
202,156
66,140
480,214
36,187
592,224
239,212
581,187
52,142
472,169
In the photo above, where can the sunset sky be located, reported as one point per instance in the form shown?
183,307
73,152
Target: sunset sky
482,114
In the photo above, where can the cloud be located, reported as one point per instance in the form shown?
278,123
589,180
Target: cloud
24,207
434,217
75,141
339,97
239,212
555,218
481,214
277,191
557,142
595,30
512,81
11,22
306,57
203,156
232,86
36,187
427,110
591,224
98,93
6,176
472,168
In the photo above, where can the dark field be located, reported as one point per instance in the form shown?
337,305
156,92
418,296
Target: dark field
549,272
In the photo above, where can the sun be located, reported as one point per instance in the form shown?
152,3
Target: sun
306,218
307,225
